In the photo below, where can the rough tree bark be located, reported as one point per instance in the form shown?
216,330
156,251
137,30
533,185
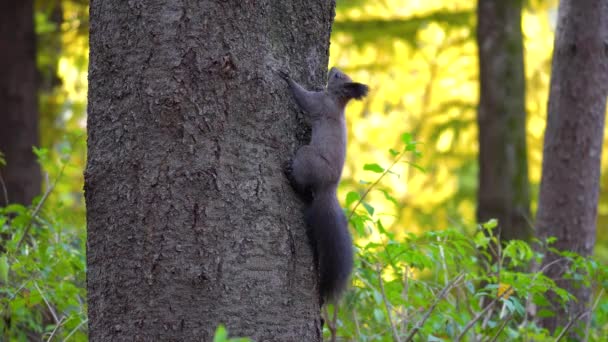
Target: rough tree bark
18,102
191,222
503,191
567,207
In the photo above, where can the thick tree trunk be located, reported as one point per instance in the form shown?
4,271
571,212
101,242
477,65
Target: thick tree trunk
191,222
567,207
503,191
18,102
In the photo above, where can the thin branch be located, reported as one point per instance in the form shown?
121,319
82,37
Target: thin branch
357,327
442,294
569,325
502,327
73,331
593,307
529,297
39,206
481,313
386,171
387,306
57,326
330,324
334,321
52,311
406,290
4,192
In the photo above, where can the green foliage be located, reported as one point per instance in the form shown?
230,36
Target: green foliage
42,270
221,335
447,286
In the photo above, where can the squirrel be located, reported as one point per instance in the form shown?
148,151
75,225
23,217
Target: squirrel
315,172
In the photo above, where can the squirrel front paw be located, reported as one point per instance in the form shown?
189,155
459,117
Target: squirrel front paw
283,75
304,192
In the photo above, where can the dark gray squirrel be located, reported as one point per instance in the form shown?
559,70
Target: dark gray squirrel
315,172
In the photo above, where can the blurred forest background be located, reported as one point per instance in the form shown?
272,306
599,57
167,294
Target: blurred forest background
420,59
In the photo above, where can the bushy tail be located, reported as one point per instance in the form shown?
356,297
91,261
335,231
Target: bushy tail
328,231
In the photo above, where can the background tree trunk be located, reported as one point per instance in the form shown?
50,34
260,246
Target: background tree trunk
567,207
191,222
18,102
503,191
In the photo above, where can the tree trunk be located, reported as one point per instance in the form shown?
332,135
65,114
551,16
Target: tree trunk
567,207
20,178
191,222
503,191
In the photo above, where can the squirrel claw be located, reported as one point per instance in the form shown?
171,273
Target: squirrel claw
283,75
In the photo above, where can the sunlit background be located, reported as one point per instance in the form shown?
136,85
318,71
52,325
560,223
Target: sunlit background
420,60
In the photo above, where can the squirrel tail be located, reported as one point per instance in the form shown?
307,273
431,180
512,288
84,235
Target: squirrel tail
329,235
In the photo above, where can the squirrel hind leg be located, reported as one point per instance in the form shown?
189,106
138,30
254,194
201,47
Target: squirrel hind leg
303,191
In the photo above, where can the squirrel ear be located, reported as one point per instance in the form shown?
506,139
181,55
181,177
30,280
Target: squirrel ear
355,90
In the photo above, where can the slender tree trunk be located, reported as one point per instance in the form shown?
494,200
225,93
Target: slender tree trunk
191,222
20,178
503,191
567,207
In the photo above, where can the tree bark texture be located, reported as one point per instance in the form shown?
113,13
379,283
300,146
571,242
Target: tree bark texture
503,191
18,103
191,222
567,207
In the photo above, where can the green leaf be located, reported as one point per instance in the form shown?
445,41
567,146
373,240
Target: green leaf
393,152
406,138
359,225
492,223
15,209
42,153
368,207
390,198
4,266
542,313
379,315
373,168
221,335
382,230
352,197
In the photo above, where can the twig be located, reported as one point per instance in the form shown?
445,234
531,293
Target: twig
406,290
57,326
386,171
442,294
39,206
443,263
593,307
47,303
73,331
330,324
569,325
4,192
387,306
334,320
528,298
502,327
357,327
481,313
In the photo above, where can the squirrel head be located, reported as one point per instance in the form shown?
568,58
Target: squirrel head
343,87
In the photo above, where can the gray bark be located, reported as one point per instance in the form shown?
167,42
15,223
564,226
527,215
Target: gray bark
18,103
503,191
567,207
191,222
